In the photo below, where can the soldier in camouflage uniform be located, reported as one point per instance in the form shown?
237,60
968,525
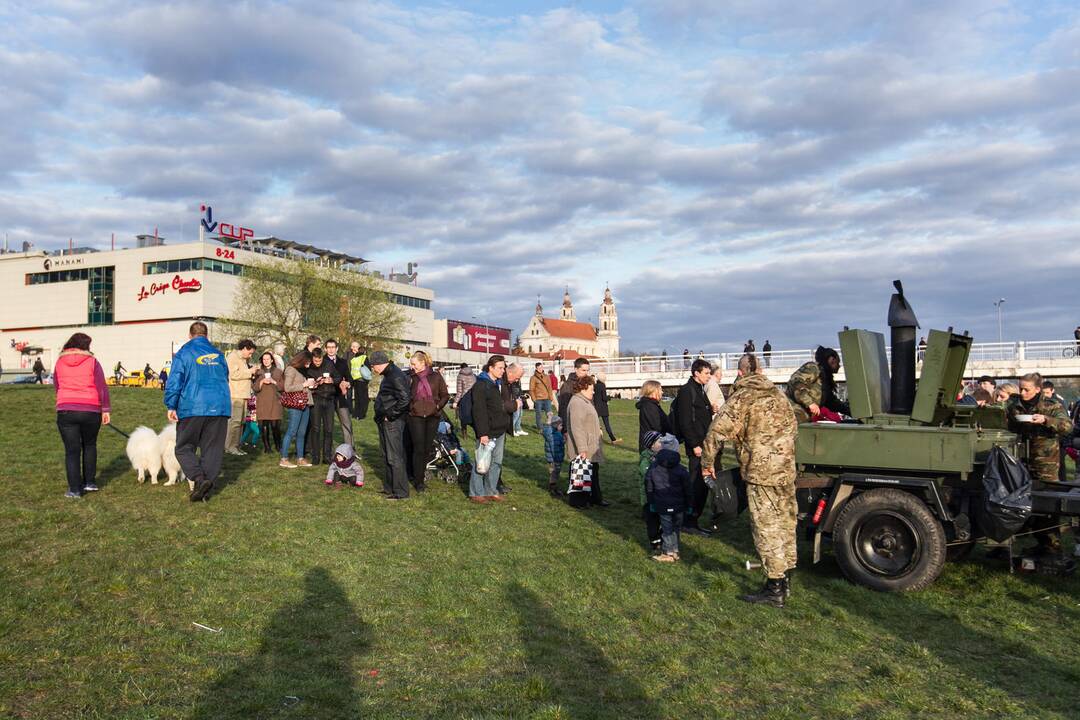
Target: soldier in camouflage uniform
811,386
1043,437
758,420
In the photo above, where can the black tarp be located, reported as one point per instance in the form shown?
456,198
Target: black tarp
1006,503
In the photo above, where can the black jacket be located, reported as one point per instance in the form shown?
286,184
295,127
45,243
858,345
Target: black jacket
651,417
600,400
392,402
342,366
325,390
694,413
667,484
489,409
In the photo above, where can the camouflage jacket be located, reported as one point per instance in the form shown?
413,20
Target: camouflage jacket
1043,440
758,420
804,390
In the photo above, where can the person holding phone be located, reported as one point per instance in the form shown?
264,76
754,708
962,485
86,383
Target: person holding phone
324,406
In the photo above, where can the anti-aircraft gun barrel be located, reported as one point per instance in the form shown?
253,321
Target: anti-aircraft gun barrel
903,325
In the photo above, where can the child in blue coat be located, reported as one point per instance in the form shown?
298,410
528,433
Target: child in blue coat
554,452
670,493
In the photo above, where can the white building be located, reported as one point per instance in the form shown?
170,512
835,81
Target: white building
137,303
566,338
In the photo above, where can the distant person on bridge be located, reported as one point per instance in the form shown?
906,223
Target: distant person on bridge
766,352
812,387
686,358
749,346
922,348
1076,336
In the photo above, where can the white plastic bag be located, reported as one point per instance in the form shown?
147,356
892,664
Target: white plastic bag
483,457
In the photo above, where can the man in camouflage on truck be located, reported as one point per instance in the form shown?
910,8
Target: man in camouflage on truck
812,387
1049,423
759,421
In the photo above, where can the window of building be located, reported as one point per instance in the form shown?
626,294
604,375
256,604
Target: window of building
164,267
408,301
100,296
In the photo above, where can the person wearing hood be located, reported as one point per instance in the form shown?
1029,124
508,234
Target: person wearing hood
651,416
427,397
759,421
39,371
654,443
198,401
812,387
345,468
82,407
466,378
670,493
491,422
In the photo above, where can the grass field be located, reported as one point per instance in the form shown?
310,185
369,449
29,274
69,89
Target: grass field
338,604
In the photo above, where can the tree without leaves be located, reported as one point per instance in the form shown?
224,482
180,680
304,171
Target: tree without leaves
284,301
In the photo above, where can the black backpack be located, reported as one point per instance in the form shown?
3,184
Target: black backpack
464,407
673,418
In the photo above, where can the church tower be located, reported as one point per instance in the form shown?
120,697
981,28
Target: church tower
567,312
607,339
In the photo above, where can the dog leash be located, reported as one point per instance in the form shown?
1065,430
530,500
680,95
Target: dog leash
110,425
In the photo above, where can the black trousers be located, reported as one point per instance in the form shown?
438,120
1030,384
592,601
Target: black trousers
323,413
596,496
270,429
207,435
79,431
392,443
422,433
652,524
701,490
607,426
359,399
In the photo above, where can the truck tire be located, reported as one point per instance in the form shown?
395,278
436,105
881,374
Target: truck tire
888,540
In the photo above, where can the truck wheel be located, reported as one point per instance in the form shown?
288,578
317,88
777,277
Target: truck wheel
889,540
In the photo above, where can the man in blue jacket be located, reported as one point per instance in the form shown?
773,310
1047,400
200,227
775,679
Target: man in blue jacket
197,397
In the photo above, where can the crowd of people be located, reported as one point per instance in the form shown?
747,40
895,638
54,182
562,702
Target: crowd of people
295,406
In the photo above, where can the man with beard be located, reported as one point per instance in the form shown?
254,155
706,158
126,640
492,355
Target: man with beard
813,387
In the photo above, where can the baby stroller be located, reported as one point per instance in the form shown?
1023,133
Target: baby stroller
451,463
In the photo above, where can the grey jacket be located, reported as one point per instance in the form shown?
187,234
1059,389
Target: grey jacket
584,436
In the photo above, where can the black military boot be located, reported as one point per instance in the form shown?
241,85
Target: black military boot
772,593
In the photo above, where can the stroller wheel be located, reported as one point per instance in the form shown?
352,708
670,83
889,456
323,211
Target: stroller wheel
448,475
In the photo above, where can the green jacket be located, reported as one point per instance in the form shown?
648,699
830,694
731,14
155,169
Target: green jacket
1043,440
645,459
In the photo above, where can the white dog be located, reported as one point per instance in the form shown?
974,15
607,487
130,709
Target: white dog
144,452
167,440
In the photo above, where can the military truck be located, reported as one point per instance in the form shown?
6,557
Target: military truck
896,492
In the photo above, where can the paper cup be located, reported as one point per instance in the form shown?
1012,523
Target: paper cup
266,376
1025,418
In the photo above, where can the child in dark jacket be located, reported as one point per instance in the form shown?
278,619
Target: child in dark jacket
670,494
654,442
554,452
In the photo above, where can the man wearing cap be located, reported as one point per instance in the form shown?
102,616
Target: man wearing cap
391,407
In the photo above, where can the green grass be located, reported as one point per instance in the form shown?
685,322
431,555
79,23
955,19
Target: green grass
435,608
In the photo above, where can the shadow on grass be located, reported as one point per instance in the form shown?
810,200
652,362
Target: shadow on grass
304,664
567,671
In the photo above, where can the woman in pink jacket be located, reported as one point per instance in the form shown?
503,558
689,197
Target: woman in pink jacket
82,405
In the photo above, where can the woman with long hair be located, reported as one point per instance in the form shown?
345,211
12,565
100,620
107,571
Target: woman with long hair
428,395
297,381
82,407
267,387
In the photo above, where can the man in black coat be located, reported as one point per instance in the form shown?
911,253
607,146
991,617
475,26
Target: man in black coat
566,390
692,419
341,400
491,409
391,407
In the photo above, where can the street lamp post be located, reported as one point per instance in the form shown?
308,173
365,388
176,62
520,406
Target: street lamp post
1001,326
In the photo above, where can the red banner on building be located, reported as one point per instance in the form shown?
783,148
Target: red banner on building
477,338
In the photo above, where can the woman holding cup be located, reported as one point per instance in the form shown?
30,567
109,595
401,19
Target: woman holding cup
267,387
324,408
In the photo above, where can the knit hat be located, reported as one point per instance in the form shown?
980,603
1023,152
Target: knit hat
669,442
650,438
378,358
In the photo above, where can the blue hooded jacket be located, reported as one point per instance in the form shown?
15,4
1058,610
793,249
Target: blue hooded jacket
198,384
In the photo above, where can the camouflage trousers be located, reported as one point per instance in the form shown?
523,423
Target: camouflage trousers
773,517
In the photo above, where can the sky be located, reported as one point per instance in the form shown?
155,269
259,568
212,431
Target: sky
741,169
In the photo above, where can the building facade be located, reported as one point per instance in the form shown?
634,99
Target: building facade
137,303
565,337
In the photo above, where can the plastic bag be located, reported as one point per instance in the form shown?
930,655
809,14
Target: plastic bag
483,457
580,476
1006,504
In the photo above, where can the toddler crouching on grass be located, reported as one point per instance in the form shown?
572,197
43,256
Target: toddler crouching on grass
345,468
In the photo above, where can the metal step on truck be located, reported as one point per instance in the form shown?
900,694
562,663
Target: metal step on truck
897,492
